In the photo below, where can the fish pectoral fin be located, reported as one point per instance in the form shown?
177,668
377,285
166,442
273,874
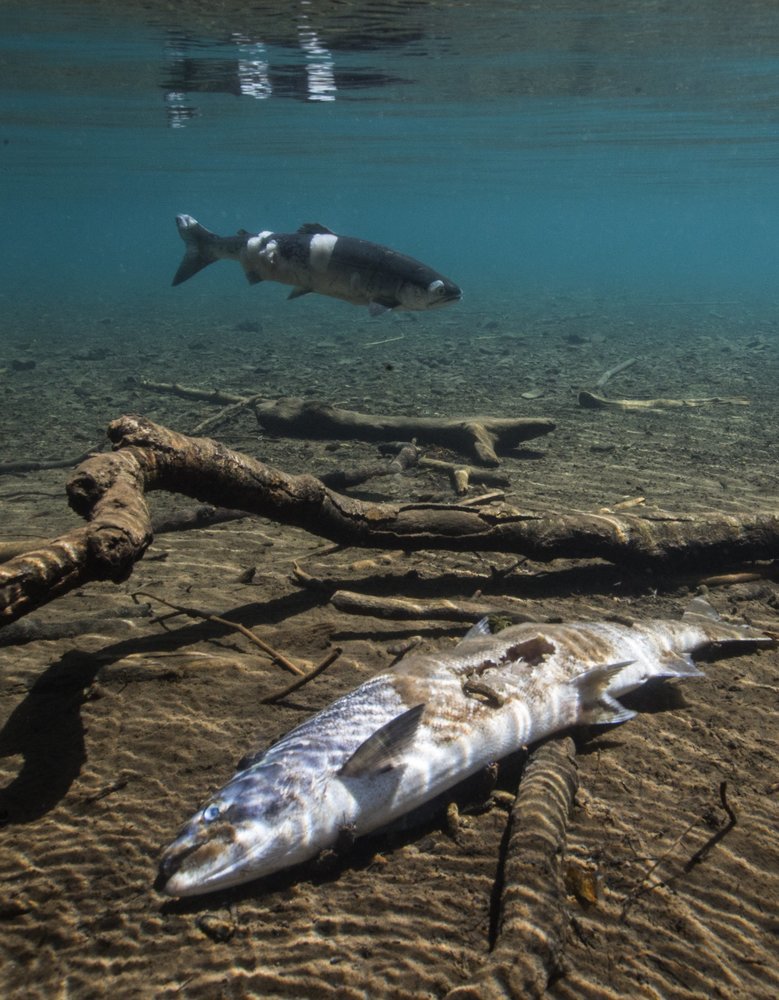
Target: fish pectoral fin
315,229
382,750
596,706
297,292
609,712
377,309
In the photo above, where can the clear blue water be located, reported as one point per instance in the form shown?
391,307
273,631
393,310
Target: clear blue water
619,153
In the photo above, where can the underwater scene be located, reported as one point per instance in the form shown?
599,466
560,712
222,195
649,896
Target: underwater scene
389,482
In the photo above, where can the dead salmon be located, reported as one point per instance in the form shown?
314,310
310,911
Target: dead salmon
410,733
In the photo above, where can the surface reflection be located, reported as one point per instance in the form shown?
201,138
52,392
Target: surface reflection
253,68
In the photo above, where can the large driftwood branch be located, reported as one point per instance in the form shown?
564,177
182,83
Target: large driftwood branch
481,436
294,416
108,490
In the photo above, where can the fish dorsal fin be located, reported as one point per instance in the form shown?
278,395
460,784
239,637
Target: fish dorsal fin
477,631
598,707
699,609
382,750
244,232
314,229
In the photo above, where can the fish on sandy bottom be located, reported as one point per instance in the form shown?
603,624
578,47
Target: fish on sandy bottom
314,259
410,733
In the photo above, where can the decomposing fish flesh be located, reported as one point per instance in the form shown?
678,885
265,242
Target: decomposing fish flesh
314,259
405,736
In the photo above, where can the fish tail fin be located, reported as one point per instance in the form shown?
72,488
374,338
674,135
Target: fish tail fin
596,706
198,253
700,612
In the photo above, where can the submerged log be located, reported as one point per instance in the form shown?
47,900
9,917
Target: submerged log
533,924
294,416
108,490
481,436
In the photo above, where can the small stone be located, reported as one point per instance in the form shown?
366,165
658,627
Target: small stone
215,927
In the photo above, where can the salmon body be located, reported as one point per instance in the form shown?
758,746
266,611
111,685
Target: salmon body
410,733
315,259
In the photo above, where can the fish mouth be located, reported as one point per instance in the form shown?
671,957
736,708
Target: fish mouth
180,882
190,868
453,296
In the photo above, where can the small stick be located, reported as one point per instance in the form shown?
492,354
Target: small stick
389,340
590,401
194,613
187,392
748,576
28,465
402,609
645,886
463,475
115,786
269,699
484,498
225,414
701,853
614,371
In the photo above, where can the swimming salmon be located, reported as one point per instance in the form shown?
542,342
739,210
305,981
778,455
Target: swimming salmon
408,734
314,259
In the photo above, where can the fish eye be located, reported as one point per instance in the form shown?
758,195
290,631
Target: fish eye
436,287
210,813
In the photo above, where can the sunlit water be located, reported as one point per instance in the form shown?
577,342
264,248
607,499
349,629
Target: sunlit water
599,154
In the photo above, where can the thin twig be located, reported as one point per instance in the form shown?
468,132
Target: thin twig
645,887
614,371
389,340
278,695
701,853
274,654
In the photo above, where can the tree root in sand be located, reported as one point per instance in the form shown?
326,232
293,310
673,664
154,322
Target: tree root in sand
108,490
533,920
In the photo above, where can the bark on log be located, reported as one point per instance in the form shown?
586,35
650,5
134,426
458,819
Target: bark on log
108,490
